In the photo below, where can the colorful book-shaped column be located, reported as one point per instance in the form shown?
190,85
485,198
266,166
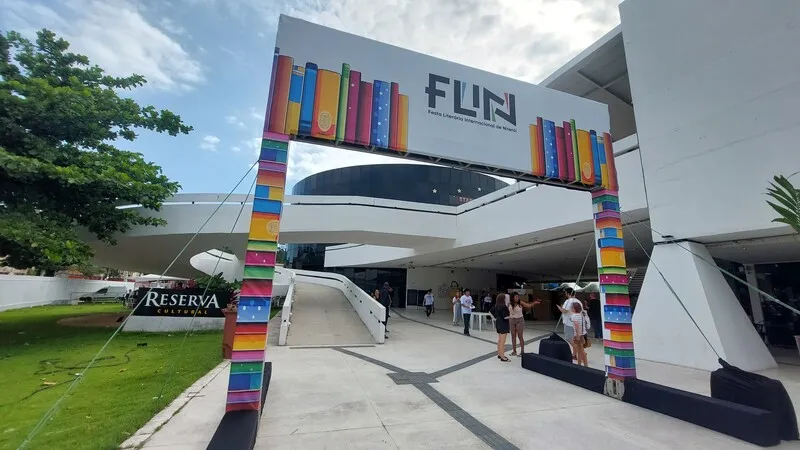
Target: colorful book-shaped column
617,329
250,340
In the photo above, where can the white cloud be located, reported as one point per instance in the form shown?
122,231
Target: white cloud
526,40
233,120
210,143
253,144
256,115
171,27
236,149
114,35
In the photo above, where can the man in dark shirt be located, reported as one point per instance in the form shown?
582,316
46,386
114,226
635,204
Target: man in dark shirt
386,301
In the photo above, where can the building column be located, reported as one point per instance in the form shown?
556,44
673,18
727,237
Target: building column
250,341
620,360
665,332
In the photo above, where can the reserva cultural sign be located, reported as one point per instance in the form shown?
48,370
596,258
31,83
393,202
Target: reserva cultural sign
181,302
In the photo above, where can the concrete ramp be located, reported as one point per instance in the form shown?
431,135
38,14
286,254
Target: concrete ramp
321,315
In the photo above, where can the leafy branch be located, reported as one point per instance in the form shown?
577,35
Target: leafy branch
786,201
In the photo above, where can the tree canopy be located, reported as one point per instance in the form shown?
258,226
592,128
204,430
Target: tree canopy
60,171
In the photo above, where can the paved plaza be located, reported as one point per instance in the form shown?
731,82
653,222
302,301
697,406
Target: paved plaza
430,387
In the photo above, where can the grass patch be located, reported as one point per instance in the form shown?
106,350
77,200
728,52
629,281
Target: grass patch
39,359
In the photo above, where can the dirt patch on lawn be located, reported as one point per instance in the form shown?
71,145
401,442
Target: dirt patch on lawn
107,320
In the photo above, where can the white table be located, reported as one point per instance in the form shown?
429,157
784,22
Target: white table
478,317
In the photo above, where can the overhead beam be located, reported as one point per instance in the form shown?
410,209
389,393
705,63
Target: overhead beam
605,86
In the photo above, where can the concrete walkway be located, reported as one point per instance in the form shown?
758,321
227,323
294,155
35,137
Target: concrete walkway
429,387
322,315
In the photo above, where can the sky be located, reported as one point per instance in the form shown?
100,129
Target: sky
210,61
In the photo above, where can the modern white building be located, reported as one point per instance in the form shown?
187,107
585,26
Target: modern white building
704,109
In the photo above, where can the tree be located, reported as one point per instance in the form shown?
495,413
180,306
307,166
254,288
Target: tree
280,258
786,201
59,168
217,283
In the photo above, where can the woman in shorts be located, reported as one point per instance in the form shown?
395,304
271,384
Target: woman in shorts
579,338
517,322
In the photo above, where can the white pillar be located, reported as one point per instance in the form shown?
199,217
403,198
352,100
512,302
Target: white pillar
662,330
755,297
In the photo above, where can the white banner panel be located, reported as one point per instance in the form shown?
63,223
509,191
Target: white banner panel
341,89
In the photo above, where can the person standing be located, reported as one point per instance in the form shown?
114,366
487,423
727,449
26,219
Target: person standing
466,309
428,301
501,315
457,309
579,339
487,302
386,301
595,316
566,312
517,322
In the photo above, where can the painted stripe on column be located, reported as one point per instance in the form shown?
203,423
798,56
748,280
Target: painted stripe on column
254,356
246,367
613,279
269,178
262,246
256,287
618,299
272,166
268,193
259,272
612,271
607,215
274,155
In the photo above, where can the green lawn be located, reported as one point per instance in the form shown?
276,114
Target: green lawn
39,358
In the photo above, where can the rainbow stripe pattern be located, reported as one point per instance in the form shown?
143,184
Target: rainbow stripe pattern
340,107
572,155
250,340
617,315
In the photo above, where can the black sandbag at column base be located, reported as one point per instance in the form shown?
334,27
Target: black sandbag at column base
555,347
746,388
749,424
238,429
585,377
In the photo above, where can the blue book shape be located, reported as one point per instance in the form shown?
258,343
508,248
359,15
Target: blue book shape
307,104
296,86
550,152
254,309
381,98
598,175
617,314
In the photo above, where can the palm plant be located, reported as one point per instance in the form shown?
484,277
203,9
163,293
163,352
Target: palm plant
786,201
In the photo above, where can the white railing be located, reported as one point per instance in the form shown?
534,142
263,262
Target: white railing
368,309
286,310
